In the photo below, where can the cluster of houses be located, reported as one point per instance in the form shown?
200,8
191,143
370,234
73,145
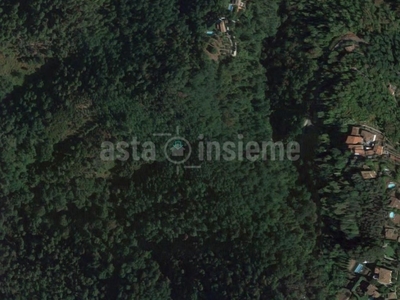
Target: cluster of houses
226,40
365,141
391,229
365,282
367,279
229,46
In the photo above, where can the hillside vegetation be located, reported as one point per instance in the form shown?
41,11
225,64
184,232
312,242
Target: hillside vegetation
74,74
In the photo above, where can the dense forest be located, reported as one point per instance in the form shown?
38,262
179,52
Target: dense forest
74,74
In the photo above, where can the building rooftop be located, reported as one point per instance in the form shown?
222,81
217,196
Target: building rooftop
369,152
352,264
352,140
391,234
359,147
368,174
365,143
360,152
384,275
395,218
378,149
391,296
372,290
368,136
355,131
344,294
394,202
221,26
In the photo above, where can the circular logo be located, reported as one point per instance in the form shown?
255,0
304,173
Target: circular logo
177,150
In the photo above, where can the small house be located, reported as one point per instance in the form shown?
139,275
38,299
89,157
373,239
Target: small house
351,265
384,276
221,26
344,294
359,152
372,290
369,153
356,147
369,137
391,234
355,131
353,140
368,174
394,202
378,149
395,218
